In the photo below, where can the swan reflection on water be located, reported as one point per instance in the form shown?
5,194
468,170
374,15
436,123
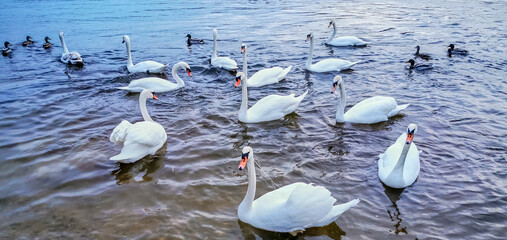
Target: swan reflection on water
394,195
142,170
332,231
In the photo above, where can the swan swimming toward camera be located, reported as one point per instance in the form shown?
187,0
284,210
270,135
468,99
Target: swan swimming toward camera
221,62
73,57
291,208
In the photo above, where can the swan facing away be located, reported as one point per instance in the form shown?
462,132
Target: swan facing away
139,139
146,66
264,76
73,58
345,41
158,84
269,108
221,62
398,166
326,65
371,110
291,208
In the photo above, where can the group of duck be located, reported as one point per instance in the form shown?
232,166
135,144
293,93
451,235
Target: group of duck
297,206
451,50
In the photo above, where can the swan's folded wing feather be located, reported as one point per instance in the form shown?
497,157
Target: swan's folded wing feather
224,62
331,64
265,76
273,106
147,65
147,133
371,110
153,83
305,205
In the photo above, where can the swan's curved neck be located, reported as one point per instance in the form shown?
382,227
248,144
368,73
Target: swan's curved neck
129,60
245,65
247,202
174,72
244,98
144,111
214,45
310,54
340,111
398,168
332,35
65,50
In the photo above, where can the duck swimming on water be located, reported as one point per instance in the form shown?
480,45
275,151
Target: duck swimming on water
47,44
191,40
421,55
27,42
6,50
452,50
419,67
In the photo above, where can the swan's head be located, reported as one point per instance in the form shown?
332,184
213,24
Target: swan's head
411,130
125,39
240,76
245,154
336,81
412,63
451,46
28,38
215,32
60,33
243,48
147,93
309,36
187,68
331,23
7,44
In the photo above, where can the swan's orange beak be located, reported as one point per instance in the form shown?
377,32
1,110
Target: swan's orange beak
307,38
238,81
189,72
155,97
410,136
242,49
333,89
244,159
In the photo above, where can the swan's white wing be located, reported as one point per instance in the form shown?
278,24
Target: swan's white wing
151,66
331,64
295,208
120,132
273,107
265,77
153,83
347,41
371,110
224,62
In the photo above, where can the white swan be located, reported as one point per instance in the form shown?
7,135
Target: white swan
221,62
399,166
146,66
345,41
371,110
158,84
326,65
139,139
269,108
264,76
291,208
73,58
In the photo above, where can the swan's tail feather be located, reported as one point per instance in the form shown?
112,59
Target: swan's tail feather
123,88
354,63
120,132
284,73
159,70
300,98
398,109
335,213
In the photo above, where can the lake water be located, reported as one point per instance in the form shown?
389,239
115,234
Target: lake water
56,181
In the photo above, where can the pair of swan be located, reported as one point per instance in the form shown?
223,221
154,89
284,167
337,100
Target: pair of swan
6,50
221,62
146,66
73,58
139,139
326,65
345,41
264,76
291,208
371,110
158,84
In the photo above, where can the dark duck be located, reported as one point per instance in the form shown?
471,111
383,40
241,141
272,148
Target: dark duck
419,67
191,40
458,51
6,50
27,42
421,55
47,44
